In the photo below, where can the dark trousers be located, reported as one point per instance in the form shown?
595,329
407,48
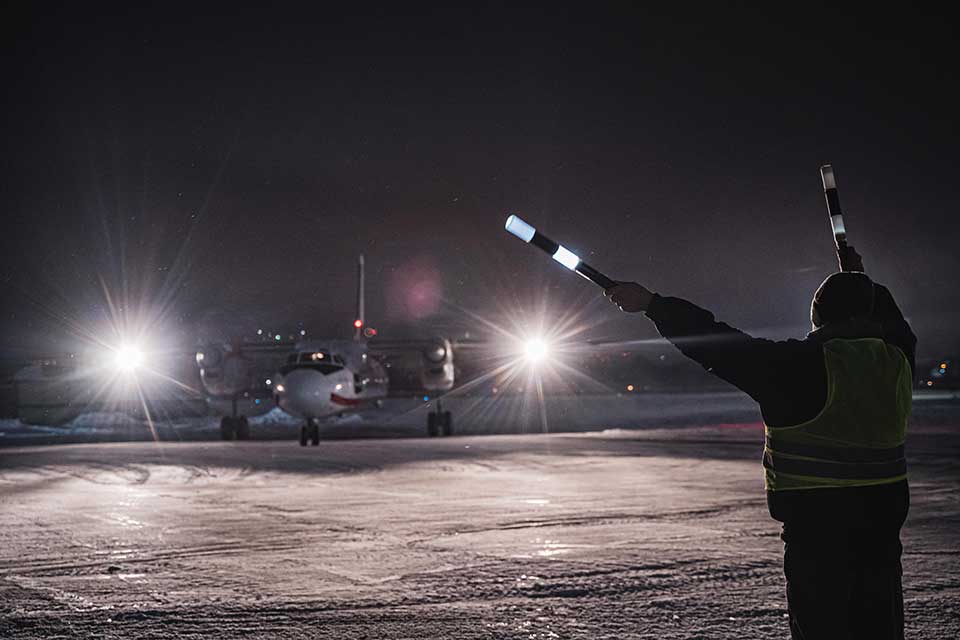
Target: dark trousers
846,595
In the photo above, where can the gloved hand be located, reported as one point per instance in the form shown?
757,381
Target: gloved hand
850,260
629,296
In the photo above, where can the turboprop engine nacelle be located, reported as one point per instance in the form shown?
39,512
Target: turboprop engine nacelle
223,370
436,365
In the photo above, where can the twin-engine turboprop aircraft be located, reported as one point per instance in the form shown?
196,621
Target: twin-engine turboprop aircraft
316,379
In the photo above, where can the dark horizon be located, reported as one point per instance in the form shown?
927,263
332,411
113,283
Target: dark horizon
240,163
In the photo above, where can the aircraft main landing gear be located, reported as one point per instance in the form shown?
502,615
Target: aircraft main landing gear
310,431
234,428
439,422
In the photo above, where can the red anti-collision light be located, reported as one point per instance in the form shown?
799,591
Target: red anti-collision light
358,323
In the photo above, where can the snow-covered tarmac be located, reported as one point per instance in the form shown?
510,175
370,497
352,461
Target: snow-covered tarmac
654,532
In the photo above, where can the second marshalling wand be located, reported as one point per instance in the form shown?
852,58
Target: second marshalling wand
833,205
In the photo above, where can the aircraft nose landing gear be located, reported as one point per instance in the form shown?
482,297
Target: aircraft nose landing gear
310,431
439,422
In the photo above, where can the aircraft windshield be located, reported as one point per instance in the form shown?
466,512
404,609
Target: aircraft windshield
311,357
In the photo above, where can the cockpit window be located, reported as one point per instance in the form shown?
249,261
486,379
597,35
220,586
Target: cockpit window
326,368
314,357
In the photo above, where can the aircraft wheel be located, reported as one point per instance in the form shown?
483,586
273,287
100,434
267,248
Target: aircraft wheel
446,423
315,434
303,435
432,424
243,428
226,428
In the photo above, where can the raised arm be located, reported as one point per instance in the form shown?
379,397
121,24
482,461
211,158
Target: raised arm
896,331
759,367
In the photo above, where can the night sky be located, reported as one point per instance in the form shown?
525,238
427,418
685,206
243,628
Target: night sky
235,164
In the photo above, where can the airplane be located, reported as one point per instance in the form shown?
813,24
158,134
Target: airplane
315,379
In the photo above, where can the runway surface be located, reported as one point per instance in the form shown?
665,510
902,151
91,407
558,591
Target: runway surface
659,533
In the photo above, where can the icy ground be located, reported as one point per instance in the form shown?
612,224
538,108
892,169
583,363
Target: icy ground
654,533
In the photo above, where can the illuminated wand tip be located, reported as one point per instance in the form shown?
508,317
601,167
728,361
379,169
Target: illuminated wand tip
826,174
519,228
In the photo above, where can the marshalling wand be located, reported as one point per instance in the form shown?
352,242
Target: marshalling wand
560,253
833,205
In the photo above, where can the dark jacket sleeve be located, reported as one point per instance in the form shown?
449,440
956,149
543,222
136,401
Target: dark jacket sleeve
767,370
896,331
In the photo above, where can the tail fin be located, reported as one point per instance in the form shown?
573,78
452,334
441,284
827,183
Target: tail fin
360,321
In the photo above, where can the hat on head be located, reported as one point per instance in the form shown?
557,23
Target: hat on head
842,296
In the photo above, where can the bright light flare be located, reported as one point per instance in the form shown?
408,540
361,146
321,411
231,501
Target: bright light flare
536,351
128,358
533,349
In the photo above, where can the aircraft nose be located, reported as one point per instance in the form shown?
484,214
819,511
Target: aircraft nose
305,393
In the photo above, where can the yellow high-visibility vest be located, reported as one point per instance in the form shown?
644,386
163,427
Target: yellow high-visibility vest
858,438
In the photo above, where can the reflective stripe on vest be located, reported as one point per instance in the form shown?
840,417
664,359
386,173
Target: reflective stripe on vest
835,462
857,439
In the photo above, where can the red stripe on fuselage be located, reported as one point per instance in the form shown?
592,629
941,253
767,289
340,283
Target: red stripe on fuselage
349,402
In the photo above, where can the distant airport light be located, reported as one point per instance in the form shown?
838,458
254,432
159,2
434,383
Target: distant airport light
259,332
277,337
561,254
358,323
629,387
303,332
268,382
128,358
280,388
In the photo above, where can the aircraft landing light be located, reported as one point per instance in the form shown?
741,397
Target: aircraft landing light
128,358
536,350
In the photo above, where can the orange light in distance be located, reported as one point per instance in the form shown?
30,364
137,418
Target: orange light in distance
358,323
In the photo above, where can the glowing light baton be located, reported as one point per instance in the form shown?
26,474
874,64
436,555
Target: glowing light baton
560,253
833,205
